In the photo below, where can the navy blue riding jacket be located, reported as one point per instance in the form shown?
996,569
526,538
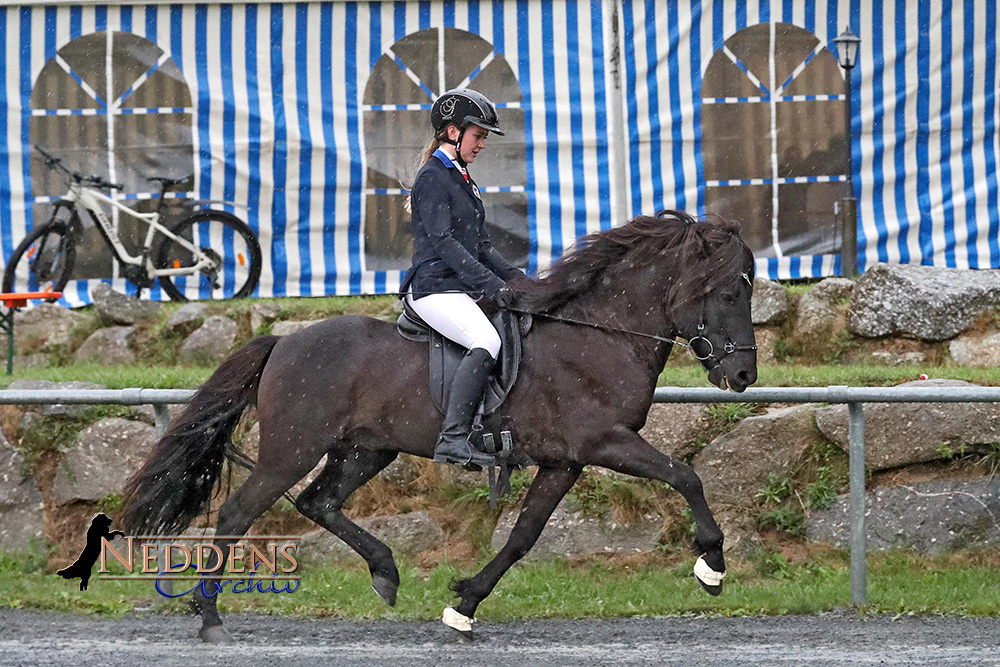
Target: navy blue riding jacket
452,250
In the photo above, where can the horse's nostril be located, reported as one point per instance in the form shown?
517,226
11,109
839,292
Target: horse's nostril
746,377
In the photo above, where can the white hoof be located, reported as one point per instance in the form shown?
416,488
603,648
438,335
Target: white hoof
706,575
457,621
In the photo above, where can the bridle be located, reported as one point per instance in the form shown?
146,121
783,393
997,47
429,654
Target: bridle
728,348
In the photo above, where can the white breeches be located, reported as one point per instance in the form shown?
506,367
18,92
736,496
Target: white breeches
457,317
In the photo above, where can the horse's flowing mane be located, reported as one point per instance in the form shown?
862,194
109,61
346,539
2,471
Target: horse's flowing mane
707,254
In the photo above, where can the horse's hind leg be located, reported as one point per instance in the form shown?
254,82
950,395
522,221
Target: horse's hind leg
269,479
345,472
544,494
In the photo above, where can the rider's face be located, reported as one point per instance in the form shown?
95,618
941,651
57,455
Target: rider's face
473,141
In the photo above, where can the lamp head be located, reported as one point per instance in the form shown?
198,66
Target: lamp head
847,49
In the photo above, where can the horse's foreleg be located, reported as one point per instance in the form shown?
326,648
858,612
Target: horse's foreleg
322,502
626,452
545,492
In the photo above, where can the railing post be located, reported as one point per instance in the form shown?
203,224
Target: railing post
859,569
162,418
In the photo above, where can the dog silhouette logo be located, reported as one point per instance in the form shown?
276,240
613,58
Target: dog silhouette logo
98,530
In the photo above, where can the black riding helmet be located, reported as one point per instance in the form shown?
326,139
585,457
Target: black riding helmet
463,107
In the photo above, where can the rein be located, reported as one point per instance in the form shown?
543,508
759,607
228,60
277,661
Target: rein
603,327
727,349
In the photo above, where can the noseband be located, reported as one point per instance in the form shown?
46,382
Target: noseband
727,349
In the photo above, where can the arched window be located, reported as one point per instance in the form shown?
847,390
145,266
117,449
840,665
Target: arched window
773,140
402,86
125,117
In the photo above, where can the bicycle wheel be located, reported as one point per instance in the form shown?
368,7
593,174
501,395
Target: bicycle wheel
43,261
228,243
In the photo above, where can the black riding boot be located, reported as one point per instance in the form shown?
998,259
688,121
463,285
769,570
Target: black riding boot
467,389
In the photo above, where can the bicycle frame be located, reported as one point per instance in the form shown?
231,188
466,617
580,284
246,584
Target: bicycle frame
90,200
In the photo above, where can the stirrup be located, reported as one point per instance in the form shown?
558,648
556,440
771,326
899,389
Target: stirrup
471,459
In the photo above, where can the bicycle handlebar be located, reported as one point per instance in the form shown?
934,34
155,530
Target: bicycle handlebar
52,162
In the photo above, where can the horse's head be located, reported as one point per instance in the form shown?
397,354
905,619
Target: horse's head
710,303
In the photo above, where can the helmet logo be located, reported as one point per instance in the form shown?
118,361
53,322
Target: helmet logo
448,107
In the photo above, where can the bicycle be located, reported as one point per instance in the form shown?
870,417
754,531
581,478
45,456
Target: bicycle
218,249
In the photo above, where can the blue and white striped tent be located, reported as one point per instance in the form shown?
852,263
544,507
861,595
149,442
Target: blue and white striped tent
276,111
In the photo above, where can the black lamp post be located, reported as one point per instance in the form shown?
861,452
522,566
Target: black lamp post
847,56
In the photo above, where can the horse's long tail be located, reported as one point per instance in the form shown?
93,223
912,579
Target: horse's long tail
175,483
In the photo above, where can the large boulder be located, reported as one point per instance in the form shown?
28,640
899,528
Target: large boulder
289,327
769,304
766,339
44,327
406,534
677,429
211,343
735,466
930,517
186,319
900,434
35,360
892,358
571,533
402,471
924,302
262,313
821,311
21,515
970,350
107,346
116,308
104,457
50,409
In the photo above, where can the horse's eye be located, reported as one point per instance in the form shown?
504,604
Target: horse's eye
729,298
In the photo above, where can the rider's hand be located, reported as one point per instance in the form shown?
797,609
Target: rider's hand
503,297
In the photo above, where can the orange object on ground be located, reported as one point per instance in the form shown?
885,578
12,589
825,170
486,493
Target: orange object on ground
20,299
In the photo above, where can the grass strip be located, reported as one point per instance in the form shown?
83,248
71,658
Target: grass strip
860,375
117,377
769,585
165,377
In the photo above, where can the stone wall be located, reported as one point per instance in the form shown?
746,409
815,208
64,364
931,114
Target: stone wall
773,469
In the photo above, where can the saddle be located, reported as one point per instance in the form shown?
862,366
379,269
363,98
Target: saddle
492,431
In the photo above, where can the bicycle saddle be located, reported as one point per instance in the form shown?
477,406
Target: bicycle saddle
167,181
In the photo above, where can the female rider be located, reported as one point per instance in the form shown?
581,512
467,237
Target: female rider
454,261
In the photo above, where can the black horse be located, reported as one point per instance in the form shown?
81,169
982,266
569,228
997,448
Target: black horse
352,389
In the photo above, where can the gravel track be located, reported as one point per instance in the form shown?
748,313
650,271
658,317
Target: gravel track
39,638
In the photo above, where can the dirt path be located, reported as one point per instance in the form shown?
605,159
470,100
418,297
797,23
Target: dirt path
37,638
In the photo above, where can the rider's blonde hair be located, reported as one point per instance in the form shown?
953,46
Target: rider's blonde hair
434,144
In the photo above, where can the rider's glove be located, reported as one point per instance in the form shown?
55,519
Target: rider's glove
503,297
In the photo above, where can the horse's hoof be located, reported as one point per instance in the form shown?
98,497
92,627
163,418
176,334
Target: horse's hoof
385,588
709,579
217,634
460,623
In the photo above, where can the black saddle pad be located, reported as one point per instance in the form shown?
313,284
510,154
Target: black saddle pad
445,355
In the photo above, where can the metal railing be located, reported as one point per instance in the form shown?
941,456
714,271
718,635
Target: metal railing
158,398
854,397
